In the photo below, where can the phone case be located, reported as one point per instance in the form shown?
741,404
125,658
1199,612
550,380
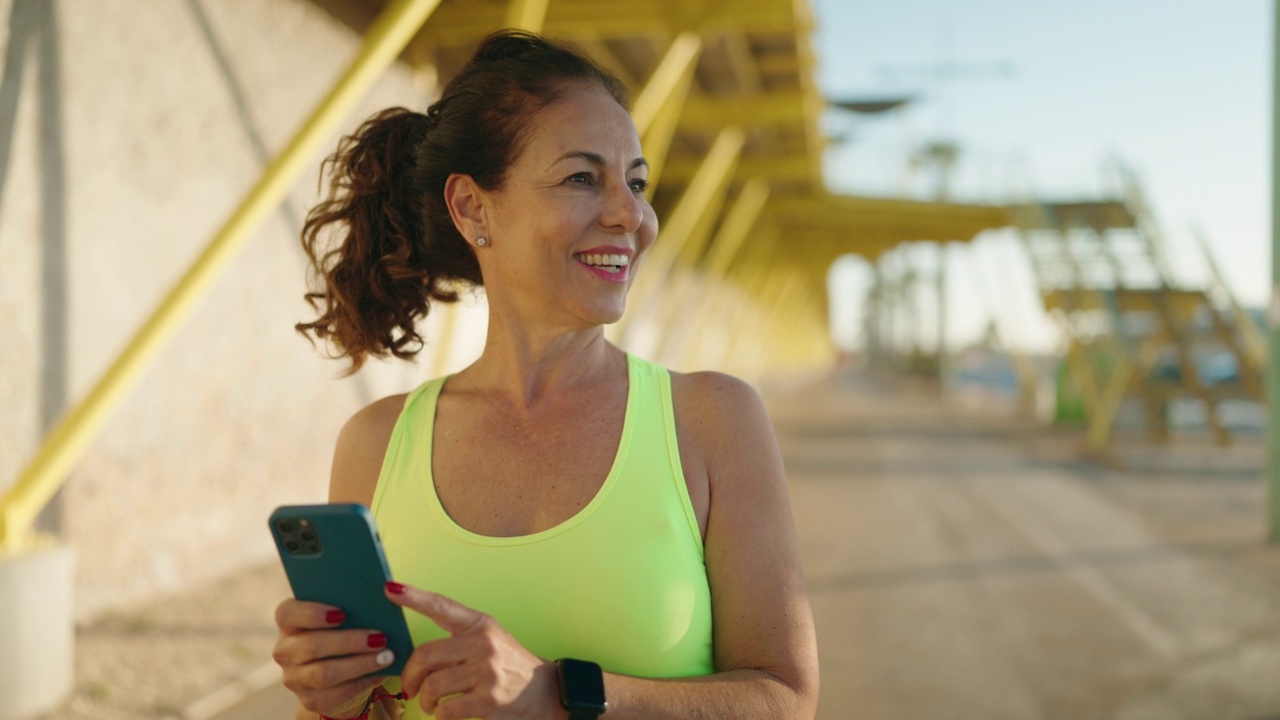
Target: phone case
332,554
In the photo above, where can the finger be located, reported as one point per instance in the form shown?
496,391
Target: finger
333,672
312,645
294,616
440,684
432,657
340,700
451,615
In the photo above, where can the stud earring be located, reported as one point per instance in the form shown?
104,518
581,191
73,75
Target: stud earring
482,241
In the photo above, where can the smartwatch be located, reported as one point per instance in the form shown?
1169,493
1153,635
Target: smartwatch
581,689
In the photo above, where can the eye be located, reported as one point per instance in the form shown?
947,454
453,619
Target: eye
582,178
639,185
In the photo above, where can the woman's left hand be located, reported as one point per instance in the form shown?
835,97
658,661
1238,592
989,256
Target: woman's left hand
479,671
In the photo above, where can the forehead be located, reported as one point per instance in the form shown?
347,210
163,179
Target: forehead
583,119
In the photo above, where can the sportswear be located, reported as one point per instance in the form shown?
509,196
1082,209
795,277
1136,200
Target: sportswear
622,583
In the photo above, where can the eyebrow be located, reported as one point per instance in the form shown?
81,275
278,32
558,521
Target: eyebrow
597,159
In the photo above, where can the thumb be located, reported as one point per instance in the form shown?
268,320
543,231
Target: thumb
449,614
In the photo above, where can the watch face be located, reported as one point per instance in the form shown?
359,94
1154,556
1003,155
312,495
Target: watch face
581,686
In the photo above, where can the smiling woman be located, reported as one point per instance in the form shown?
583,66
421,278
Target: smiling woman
574,530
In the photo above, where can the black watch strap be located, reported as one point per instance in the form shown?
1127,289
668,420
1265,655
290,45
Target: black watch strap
581,688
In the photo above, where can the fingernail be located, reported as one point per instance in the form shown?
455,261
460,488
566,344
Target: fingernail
377,640
333,617
385,657
395,588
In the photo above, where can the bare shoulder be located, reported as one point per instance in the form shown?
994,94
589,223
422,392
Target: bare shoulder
719,408
362,444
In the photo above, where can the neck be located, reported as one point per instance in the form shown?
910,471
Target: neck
524,364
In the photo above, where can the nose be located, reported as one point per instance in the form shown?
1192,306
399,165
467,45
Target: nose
624,209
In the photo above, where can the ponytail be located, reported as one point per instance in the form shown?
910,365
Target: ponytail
382,245
380,277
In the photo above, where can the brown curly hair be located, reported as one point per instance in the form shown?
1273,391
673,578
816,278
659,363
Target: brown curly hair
382,245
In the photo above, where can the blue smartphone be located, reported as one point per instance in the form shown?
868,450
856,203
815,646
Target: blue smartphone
332,554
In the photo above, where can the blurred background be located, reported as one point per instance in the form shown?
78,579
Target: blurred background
1001,272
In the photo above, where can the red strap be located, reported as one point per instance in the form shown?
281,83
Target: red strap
379,693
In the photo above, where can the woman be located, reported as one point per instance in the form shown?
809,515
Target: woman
560,498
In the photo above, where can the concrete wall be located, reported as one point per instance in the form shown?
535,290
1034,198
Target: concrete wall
127,135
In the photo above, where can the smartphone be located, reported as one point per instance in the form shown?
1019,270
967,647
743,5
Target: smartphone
332,554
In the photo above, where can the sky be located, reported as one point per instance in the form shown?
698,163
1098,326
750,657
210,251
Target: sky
1047,91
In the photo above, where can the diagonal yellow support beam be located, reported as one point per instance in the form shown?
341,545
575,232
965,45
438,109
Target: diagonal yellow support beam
1255,345
674,69
528,15
657,111
737,225
694,301
686,220
726,304
67,443
462,22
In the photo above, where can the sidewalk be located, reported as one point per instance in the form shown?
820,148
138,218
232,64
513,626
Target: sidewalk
962,564
969,565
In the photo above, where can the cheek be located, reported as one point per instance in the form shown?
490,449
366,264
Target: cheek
648,231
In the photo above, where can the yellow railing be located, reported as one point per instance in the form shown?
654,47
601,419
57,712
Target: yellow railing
69,440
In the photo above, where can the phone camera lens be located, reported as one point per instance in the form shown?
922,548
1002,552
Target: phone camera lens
292,545
308,535
285,526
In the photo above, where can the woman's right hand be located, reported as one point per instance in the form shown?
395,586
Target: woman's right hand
325,667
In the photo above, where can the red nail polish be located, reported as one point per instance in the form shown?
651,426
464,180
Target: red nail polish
377,640
395,588
334,617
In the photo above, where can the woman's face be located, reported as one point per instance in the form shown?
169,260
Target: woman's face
571,221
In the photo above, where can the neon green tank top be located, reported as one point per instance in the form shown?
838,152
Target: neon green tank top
622,583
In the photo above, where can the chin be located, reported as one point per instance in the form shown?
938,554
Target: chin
604,316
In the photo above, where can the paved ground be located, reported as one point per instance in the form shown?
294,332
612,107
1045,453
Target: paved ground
963,564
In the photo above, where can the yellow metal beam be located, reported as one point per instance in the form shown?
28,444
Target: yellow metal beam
725,304
779,64
737,225
694,298
673,71
1254,344
527,14
69,440
814,103
657,110
741,62
461,23
780,296
777,168
854,210
711,112
683,225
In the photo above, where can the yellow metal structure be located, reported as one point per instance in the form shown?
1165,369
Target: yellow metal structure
1130,333
42,477
527,14
729,95
688,218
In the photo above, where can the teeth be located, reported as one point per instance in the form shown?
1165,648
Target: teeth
607,260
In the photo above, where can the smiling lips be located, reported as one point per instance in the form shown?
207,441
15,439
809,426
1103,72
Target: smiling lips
608,266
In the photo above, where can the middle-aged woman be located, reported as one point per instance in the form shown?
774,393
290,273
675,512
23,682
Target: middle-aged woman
558,505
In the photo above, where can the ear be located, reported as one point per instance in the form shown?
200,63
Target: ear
467,206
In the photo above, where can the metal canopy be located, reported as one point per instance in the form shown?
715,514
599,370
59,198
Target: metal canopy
755,70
